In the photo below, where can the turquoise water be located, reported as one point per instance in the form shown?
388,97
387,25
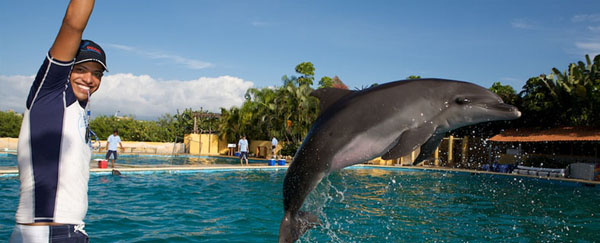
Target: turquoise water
355,205
7,160
127,159
10,160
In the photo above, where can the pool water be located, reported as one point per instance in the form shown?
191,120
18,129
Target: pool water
158,160
355,205
10,160
133,160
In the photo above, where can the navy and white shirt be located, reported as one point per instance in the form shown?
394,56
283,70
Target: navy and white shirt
53,155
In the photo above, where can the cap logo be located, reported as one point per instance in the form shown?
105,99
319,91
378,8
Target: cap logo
87,47
91,48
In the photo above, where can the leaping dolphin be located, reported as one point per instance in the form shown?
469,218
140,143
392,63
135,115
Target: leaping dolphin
390,120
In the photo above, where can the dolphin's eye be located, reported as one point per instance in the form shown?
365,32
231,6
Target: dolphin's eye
463,100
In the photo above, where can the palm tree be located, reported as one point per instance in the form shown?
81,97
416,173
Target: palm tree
229,124
570,97
301,110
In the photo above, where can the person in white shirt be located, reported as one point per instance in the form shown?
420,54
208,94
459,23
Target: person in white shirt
111,146
53,153
274,146
243,150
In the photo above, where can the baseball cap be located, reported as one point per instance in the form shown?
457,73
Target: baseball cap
90,51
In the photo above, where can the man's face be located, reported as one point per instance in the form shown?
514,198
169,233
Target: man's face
86,76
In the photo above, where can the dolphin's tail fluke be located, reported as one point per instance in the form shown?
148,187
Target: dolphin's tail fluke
294,226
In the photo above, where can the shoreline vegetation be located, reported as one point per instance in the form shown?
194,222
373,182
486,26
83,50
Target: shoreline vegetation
561,98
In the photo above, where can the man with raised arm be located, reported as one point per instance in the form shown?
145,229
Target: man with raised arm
53,154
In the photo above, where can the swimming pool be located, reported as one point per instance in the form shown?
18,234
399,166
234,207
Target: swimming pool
132,159
356,205
8,160
127,160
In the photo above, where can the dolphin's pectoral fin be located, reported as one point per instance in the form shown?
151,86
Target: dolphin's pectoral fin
328,96
409,141
292,228
429,147
307,220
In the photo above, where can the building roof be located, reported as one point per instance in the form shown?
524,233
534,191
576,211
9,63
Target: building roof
560,134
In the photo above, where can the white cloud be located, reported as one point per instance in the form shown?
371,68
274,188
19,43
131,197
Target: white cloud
14,91
189,63
122,47
143,96
260,23
522,24
586,18
592,48
594,28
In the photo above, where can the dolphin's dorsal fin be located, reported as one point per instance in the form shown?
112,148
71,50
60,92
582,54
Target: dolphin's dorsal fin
328,96
410,140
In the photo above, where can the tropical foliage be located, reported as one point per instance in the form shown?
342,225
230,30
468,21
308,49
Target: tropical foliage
10,124
168,128
286,112
507,93
567,98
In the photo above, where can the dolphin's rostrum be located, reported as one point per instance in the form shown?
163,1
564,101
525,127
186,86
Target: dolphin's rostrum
389,120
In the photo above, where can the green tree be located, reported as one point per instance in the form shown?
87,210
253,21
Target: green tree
301,111
570,97
286,112
10,124
413,77
325,82
229,124
167,128
506,92
308,73
289,80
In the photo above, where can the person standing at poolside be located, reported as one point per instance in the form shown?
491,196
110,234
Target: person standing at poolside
243,150
111,147
274,146
53,154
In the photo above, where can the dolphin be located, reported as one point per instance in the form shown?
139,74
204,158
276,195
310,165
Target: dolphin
389,121
116,172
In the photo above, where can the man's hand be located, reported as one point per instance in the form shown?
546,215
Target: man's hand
67,41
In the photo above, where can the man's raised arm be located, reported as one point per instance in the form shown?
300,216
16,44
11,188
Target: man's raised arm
69,36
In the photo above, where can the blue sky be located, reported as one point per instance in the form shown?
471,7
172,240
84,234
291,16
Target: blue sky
160,53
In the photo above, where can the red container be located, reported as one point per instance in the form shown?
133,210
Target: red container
103,164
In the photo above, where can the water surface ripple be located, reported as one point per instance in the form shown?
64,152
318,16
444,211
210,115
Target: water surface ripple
355,205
